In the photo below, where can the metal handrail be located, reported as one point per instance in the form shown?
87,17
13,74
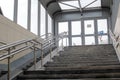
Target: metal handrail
14,52
116,43
61,35
112,35
3,43
14,44
6,47
45,35
33,42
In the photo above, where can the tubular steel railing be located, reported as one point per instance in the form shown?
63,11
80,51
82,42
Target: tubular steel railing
34,44
115,40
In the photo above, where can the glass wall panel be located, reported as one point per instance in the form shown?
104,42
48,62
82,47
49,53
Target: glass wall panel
76,27
62,27
90,40
22,13
89,26
49,24
7,7
102,26
103,39
43,19
34,16
76,41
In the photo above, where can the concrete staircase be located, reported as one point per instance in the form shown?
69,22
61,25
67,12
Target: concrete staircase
97,62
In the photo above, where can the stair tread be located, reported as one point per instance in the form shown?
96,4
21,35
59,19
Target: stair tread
72,76
96,62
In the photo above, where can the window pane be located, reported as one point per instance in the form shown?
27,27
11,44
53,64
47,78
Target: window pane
102,26
43,19
103,39
76,41
65,7
7,7
76,27
90,40
64,42
97,3
34,16
49,24
62,27
22,13
89,26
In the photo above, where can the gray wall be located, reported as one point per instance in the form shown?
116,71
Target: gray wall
77,16
114,9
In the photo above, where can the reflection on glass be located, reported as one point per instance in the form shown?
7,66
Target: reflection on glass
22,13
103,39
65,42
34,16
76,41
49,24
90,40
89,26
62,27
7,7
102,26
43,19
76,27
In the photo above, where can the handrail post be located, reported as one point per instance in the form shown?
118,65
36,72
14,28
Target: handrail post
41,55
34,58
8,65
57,43
62,43
66,41
50,51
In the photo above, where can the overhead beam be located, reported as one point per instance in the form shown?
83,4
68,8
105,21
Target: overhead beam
56,13
50,3
80,6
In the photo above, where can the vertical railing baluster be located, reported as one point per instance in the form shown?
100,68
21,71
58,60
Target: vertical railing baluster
34,58
50,50
41,55
8,65
62,44
57,43
66,41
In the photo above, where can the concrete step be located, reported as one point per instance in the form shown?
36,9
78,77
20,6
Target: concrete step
81,64
96,62
110,66
71,76
78,70
85,62
77,79
84,54
84,58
